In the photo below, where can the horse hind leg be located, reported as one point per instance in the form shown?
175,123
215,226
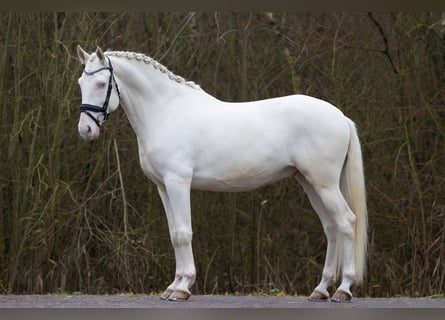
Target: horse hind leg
329,274
340,213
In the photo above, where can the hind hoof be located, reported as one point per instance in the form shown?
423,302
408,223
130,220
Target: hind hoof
166,294
178,295
341,296
318,296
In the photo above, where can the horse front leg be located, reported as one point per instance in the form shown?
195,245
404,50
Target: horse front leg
175,195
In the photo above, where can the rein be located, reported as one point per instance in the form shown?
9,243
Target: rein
85,107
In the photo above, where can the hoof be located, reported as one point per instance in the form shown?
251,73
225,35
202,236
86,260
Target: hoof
166,294
318,296
178,295
341,296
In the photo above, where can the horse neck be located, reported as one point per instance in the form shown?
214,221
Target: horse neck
146,93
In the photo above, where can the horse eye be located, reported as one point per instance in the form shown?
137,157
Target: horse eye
101,85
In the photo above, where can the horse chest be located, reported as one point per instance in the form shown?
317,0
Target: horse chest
159,161
149,164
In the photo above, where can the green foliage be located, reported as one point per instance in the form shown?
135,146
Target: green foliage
80,217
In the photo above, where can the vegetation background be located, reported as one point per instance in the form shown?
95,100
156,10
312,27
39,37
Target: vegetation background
81,217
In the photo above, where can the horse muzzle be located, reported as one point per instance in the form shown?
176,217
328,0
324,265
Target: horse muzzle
88,129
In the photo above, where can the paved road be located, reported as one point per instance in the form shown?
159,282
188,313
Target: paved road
203,301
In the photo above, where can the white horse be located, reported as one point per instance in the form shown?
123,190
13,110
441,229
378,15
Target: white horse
189,139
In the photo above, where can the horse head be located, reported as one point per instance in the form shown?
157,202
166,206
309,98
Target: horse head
100,93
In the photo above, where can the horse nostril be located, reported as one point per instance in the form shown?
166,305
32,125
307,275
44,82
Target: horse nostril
88,131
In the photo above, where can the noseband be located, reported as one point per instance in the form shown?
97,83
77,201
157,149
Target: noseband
84,107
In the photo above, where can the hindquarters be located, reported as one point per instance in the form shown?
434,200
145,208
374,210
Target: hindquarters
331,173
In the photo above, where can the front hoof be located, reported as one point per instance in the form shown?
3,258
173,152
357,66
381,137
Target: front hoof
318,296
341,296
179,295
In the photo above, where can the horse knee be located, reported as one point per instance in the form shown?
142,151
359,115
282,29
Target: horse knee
179,238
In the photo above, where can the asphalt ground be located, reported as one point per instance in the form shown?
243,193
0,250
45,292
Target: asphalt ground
208,301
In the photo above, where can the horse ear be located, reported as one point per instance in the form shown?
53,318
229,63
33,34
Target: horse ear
100,54
83,55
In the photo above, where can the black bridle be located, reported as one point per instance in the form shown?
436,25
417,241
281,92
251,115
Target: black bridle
85,107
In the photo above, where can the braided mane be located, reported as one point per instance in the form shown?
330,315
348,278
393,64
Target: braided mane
158,66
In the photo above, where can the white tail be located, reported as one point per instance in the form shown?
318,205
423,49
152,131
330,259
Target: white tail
353,189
